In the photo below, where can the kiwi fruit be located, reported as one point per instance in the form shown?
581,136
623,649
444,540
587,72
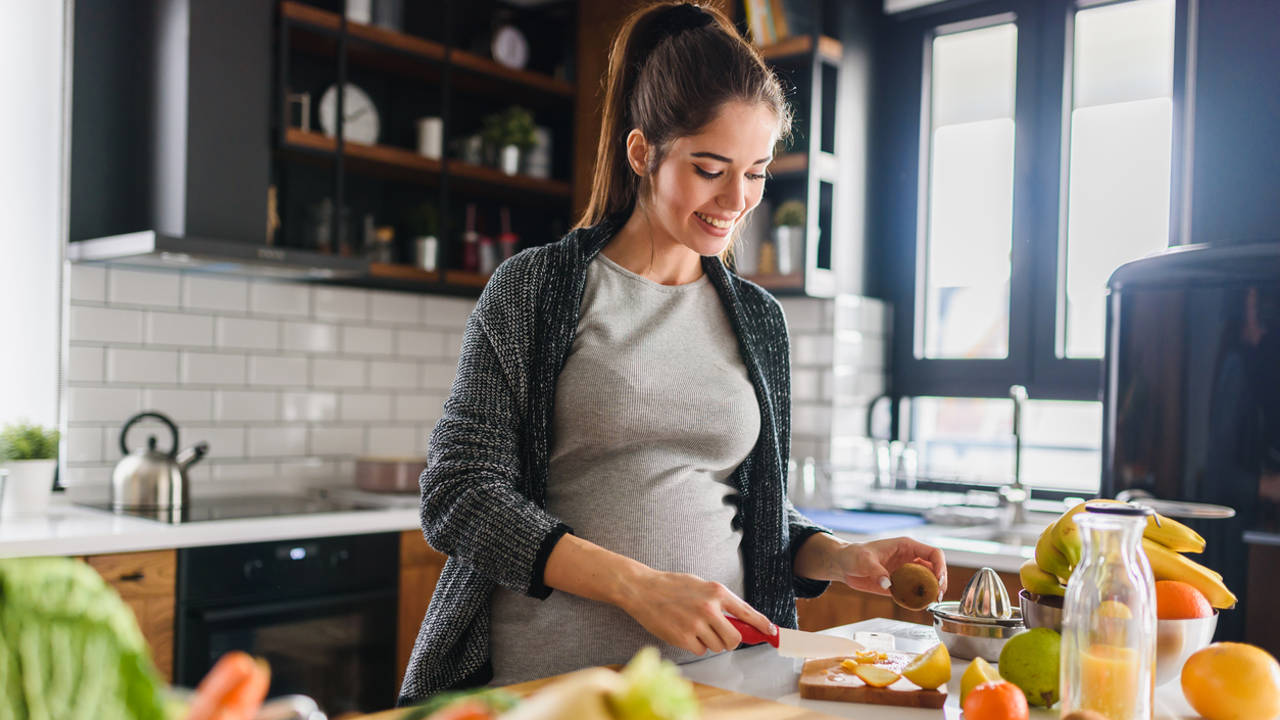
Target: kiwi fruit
913,586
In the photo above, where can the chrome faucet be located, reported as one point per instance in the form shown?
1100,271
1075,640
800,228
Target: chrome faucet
1016,494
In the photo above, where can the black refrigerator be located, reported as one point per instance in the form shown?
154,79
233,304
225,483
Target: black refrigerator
1191,403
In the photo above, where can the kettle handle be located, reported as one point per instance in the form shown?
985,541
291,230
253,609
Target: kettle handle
173,430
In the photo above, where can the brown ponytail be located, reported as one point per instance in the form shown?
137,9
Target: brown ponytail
671,68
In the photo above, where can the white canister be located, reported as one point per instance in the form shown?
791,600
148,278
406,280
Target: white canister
431,137
27,489
538,159
509,159
428,251
360,11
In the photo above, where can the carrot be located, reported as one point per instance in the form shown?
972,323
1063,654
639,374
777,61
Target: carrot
232,690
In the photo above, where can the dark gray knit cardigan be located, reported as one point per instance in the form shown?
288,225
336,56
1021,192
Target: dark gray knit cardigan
484,488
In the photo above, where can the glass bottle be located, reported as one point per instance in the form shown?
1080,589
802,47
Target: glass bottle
1109,618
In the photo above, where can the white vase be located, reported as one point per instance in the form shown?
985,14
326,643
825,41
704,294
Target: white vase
510,159
26,490
789,241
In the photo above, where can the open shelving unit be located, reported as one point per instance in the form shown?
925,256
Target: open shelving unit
417,76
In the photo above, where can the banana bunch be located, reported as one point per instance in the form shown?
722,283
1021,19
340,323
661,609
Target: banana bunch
1059,549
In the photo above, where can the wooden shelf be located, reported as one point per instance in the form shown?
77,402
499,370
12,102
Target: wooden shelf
789,164
794,281
409,165
403,272
828,47
401,44
468,279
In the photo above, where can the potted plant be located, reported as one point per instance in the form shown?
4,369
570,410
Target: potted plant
422,224
30,455
510,133
788,235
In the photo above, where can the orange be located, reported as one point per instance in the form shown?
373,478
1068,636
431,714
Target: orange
1232,681
1000,700
1176,600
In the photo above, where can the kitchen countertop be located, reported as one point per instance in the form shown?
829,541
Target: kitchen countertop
761,672
68,529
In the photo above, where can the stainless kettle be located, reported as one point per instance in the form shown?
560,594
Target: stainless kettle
151,479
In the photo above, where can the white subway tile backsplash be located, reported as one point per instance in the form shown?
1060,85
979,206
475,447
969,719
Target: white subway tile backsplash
277,371
446,312
366,340
395,441
439,375
181,406
248,333
84,444
310,337
417,407
97,475
246,406
126,365
340,303
202,292
101,404
807,314
810,419
260,472
225,441
395,308
140,287
806,384
95,324
85,364
277,441
811,350
267,297
420,343
309,406
165,328
345,440
204,368
393,374
314,468
364,406
87,283
327,372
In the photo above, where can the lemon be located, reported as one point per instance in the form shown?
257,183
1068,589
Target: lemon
930,669
978,672
876,676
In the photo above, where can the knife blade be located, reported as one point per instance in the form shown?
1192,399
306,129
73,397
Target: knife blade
798,643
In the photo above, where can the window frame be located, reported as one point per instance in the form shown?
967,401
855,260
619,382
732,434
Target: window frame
1042,116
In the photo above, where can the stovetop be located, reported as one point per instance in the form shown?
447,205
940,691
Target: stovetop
249,506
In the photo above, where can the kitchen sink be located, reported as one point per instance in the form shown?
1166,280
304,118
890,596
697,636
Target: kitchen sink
1024,534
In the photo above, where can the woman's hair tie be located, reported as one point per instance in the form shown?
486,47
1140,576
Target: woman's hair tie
685,16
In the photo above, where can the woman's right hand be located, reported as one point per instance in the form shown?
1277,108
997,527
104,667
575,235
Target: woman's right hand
688,612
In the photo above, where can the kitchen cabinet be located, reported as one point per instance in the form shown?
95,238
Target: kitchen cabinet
841,605
420,566
146,581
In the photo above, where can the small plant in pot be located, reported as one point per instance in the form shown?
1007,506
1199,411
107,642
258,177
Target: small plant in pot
422,224
512,133
788,235
29,453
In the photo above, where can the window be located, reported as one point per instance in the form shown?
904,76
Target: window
1029,147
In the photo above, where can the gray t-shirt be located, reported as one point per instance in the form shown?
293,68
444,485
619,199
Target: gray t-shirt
653,413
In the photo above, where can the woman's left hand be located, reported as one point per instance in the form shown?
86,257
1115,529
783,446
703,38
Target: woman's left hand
867,566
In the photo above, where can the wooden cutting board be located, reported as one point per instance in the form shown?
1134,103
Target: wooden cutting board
717,704
822,679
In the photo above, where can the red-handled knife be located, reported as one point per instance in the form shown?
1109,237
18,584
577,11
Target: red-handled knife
798,643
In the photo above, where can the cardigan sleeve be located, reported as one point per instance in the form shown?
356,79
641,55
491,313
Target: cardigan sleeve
472,506
799,528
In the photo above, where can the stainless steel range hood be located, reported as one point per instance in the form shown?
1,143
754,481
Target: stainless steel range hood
157,250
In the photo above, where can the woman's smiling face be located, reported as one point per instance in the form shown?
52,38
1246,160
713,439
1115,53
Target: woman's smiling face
707,182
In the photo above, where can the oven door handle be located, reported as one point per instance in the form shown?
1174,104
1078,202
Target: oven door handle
241,612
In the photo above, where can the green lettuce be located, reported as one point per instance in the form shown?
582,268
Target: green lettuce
70,648
655,690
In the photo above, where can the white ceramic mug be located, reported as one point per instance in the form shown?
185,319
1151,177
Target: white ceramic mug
431,137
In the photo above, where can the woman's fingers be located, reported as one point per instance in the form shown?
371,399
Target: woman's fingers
739,608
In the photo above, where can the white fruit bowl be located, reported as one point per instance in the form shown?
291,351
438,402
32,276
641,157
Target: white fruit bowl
1176,640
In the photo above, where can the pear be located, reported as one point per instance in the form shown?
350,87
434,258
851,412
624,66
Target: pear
1030,661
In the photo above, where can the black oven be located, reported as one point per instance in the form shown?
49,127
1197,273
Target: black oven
321,611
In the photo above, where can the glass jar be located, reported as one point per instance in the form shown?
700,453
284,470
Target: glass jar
1109,617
